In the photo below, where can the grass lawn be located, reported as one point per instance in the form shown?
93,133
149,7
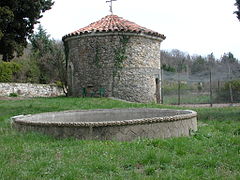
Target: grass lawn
187,99
212,153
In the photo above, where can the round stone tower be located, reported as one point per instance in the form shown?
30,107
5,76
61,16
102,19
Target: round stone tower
114,57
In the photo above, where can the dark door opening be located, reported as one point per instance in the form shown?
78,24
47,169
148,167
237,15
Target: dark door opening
158,96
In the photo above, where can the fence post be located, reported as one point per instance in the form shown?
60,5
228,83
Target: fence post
210,81
230,84
230,91
179,88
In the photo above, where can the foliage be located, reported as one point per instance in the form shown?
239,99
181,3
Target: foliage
224,93
42,53
8,70
96,60
17,19
50,58
238,7
29,71
199,65
59,62
120,54
43,62
211,153
175,59
228,58
168,68
41,42
13,95
235,85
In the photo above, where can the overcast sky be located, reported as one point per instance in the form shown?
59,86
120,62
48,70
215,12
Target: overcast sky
194,26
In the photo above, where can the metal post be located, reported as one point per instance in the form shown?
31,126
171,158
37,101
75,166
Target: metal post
179,88
110,6
230,84
210,81
231,92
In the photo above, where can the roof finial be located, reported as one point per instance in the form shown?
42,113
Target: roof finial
110,1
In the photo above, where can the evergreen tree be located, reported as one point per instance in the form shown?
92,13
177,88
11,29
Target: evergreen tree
17,19
238,7
50,57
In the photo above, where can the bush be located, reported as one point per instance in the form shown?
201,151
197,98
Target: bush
8,70
29,72
13,95
224,93
235,85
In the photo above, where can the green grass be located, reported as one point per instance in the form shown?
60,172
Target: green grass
187,99
213,152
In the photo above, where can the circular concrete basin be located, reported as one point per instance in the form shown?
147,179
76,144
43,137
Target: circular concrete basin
111,124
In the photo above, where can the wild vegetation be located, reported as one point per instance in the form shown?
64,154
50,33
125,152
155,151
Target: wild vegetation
43,62
211,153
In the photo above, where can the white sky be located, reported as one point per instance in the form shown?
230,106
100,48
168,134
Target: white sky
194,26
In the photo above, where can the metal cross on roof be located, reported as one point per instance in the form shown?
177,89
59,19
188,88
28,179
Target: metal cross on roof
110,1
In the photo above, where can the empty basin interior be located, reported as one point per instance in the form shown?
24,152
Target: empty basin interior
103,115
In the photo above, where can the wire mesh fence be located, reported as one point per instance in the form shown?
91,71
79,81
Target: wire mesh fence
218,84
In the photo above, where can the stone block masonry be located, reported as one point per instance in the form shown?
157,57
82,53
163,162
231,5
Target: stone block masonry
30,90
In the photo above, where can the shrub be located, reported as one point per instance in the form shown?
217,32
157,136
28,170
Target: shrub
13,95
29,71
8,71
224,93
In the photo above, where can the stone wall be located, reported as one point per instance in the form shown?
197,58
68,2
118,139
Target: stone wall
125,65
30,90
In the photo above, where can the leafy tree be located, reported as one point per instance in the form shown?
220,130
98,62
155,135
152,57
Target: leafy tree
42,49
168,68
175,59
17,19
238,11
199,65
29,72
228,58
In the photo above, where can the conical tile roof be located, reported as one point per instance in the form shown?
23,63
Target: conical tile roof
113,23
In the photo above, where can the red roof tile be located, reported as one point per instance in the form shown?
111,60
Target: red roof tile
113,23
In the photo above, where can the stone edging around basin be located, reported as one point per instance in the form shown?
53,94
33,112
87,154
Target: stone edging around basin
21,119
109,124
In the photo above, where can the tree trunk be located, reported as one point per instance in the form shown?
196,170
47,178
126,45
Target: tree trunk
5,58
